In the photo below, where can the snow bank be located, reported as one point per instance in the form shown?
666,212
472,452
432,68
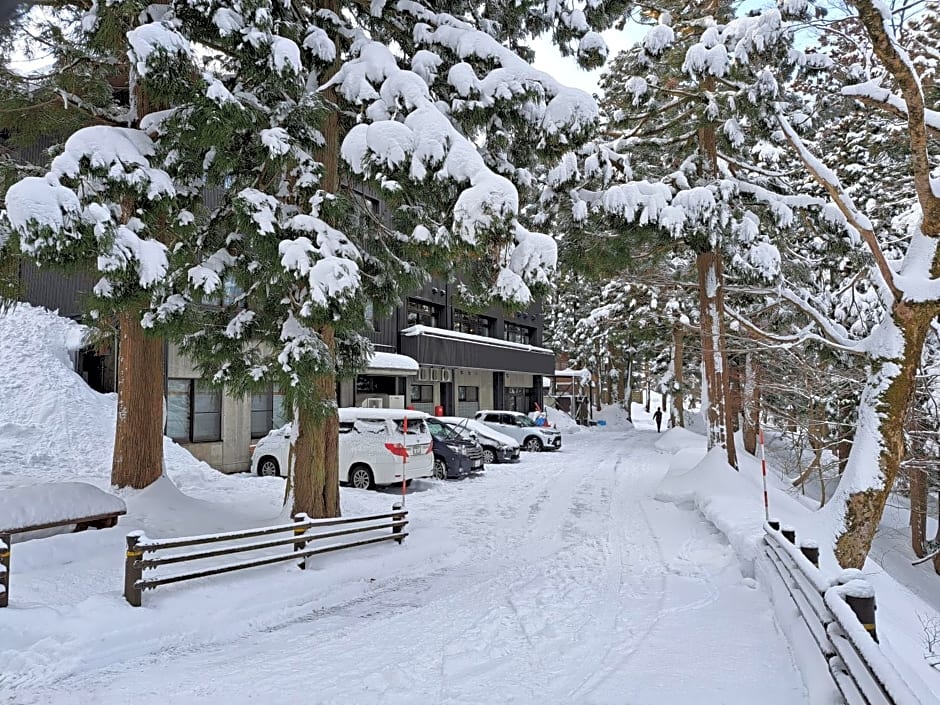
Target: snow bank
54,502
615,417
733,502
559,419
53,426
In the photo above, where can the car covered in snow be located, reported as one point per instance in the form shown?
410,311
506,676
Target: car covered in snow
456,453
531,436
497,447
373,445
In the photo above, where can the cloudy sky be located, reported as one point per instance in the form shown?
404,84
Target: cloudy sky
548,59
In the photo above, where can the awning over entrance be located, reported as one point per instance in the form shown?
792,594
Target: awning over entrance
448,348
384,363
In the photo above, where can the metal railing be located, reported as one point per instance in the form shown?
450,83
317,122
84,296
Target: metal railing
139,545
840,616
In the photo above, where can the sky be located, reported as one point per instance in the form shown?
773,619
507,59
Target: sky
566,70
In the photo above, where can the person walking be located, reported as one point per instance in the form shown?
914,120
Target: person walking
658,418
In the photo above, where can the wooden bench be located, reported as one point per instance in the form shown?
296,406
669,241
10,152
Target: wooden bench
48,506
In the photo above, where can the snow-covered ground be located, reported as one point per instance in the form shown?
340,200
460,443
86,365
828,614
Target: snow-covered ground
559,579
591,575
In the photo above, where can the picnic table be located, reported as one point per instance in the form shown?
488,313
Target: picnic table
47,506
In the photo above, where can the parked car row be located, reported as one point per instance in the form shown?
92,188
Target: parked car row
378,446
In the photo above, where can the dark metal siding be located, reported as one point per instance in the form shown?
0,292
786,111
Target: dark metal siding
55,290
444,352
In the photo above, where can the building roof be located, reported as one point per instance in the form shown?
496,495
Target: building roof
393,363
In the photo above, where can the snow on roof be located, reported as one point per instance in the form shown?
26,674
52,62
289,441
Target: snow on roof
351,413
52,502
393,361
571,372
469,337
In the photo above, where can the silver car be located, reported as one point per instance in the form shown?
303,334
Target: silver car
520,427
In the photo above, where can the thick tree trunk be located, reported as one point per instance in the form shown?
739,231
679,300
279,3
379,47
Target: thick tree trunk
316,466
316,449
750,401
879,440
677,363
138,435
918,497
714,355
646,381
936,560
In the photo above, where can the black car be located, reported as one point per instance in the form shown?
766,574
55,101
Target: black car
455,455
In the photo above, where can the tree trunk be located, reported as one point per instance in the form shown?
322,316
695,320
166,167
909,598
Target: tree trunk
879,440
628,393
138,435
316,462
750,401
714,355
677,353
936,560
918,497
646,381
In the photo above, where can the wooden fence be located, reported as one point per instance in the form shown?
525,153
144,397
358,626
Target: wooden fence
140,546
840,617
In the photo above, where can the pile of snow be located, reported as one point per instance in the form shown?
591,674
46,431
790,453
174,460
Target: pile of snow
678,439
733,502
53,426
615,418
557,419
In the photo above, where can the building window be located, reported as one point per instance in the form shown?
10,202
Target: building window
420,313
468,394
267,412
518,334
470,323
422,393
193,411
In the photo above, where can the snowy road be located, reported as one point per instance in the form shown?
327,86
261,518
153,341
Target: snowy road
559,580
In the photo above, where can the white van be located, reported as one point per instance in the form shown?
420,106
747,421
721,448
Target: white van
372,447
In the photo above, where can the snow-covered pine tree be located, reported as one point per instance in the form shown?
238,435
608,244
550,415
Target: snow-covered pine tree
105,204
689,157
894,346
422,105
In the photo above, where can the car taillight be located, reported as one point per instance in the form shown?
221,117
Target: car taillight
397,449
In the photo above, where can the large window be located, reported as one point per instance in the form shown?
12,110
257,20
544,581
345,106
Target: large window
420,313
468,394
422,393
193,411
267,412
518,334
470,323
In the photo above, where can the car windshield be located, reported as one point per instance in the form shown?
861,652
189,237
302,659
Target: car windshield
441,431
524,421
460,430
415,427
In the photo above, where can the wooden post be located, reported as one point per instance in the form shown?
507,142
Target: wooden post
300,531
789,533
133,571
859,595
810,549
6,541
398,517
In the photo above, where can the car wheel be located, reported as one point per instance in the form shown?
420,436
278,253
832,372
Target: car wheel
533,444
489,456
361,478
407,483
440,469
268,466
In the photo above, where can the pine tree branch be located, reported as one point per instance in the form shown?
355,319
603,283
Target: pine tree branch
883,98
828,180
876,19
789,340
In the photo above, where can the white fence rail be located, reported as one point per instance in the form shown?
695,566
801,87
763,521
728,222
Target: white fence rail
840,617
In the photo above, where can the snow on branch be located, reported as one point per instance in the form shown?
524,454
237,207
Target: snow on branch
873,92
803,336
427,144
833,332
843,201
